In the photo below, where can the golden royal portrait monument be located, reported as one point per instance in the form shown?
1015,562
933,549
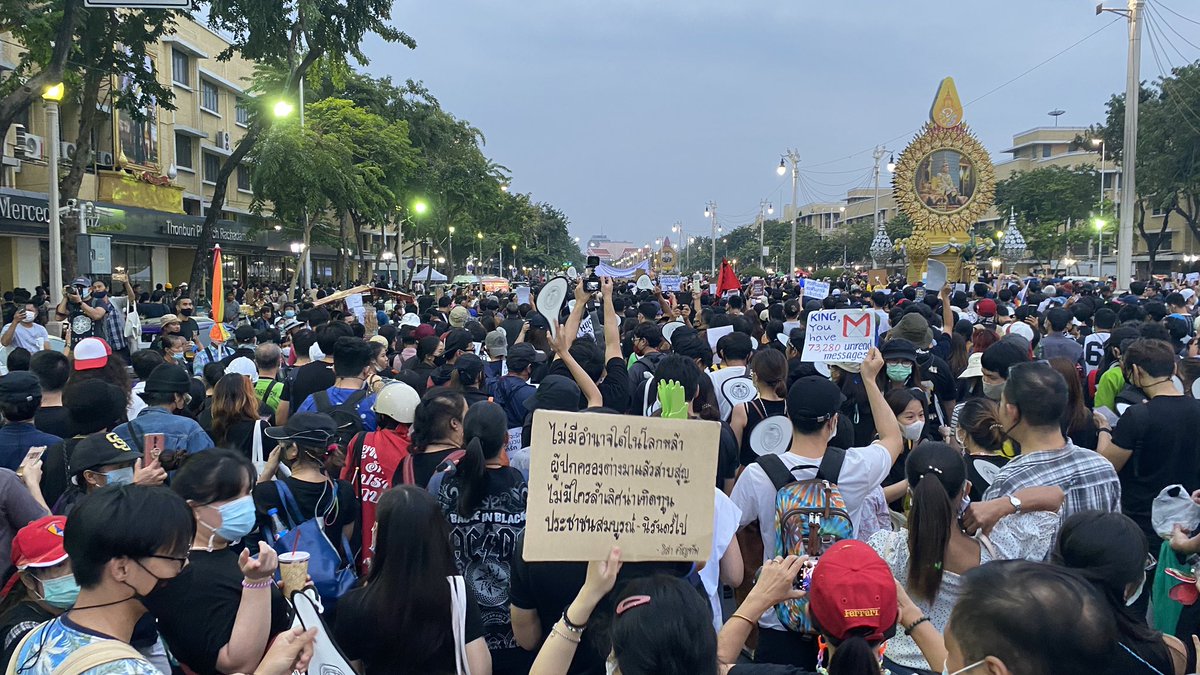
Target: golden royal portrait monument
943,182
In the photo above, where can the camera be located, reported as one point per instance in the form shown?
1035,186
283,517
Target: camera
591,283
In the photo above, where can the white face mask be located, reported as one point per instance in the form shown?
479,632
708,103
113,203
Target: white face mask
912,431
30,316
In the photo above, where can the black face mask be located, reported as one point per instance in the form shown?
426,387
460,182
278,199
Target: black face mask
187,311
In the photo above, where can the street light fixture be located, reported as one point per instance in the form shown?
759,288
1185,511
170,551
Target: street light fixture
420,207
782,168
891,165
52,95
283,108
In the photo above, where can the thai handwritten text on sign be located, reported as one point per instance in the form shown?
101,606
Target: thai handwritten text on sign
838,335
644,484
816,290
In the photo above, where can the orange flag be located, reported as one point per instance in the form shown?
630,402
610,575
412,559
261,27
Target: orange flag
218,333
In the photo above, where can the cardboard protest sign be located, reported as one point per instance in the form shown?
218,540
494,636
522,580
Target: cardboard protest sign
838,335
642,483
877,278
816,290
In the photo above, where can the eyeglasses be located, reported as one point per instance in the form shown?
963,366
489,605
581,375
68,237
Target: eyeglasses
183,560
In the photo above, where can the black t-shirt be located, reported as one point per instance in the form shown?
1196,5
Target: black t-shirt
981,471
312,498
1164,436
239,435
614,388
197,609
945,387
757,411
549,587
16,622
767,669
188,327
81,325
310,378
423,464
727,456
356,631
55,464
54,420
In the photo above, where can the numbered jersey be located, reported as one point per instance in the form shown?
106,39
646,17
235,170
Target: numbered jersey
1093,351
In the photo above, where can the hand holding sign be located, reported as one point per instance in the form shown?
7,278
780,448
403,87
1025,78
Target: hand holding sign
937,274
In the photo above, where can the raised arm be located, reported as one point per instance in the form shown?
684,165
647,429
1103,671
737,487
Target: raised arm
612,328
947,313
774,585
562,347
571,328
557,652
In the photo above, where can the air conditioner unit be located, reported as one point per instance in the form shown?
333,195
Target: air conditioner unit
66,152
105,159
223,140
32,147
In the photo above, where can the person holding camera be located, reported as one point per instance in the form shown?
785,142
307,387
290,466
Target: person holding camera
89,313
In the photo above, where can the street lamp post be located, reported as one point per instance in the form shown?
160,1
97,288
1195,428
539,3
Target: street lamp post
763,205
450,269
710,211
1099,223
51,97
792,156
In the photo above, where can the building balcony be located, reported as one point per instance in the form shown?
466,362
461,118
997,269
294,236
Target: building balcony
118,187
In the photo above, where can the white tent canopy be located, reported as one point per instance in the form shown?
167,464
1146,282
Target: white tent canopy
424,274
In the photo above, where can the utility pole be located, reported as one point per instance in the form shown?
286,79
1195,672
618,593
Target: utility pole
1129,147
710,211
793,156
762,226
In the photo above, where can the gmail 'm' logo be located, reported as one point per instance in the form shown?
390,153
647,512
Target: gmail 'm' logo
856,328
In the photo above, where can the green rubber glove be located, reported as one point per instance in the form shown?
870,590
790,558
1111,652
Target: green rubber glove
670,397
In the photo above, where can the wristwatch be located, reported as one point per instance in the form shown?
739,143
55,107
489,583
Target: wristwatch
1012,499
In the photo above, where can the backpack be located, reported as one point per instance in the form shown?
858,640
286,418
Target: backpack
331,569
810,517
82,659
345,414
649,398
447,466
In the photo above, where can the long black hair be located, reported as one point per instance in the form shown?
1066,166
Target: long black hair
485,428
406,595
936,475
432,417
1109,551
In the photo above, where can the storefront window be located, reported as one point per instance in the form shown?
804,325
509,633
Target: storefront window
134,261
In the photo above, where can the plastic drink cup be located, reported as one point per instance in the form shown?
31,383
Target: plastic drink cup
293,571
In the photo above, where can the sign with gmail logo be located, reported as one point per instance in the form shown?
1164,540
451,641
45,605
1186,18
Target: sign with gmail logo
838,336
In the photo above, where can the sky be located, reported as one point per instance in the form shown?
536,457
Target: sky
630,115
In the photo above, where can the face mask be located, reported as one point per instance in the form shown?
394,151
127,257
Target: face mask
119,476
237,519
993,391
832,434
60,592
29,316
99,295
287,352
178,356
289,313
913,431
899,372
187,311
1138,593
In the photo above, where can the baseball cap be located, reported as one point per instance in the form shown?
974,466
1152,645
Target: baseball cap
19,386
469,367
814,397
522,355
898,349
458,339
423,331
101,449
245,333
496,343
91,353
459,317
40,543
168,318
305,427
537,320
411,320
81,281
986,307
853,591
243,366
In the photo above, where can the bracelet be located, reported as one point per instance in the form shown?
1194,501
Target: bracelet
908,630
554,633
572,626
743,617
1105,430
255,585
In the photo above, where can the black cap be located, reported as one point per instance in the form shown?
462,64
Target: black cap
537,320
458,339
898,349
469,367
19,386
169,379
245,333
316,428
554,393
101,449
814,398
522,355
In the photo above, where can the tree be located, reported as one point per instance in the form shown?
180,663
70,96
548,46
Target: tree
46,30
1053,205
286,38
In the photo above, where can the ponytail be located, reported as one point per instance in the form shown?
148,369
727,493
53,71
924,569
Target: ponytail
929,523
854,656
471,479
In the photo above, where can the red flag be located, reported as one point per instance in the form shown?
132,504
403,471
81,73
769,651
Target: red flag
728,281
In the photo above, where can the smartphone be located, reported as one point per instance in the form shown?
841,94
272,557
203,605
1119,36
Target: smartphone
153,446
1108,414
35,453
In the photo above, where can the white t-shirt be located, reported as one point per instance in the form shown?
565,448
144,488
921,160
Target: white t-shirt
1093,351
30,337
862,472
718,378
726,516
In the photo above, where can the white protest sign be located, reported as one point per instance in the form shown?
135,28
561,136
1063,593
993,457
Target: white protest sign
838,335
936,276
1192,277
715,334
669,282
816,290
354,303
522,295
643,483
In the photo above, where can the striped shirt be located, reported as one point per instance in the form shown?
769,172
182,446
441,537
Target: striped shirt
1089,480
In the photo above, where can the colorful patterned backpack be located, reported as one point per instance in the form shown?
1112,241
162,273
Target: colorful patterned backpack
810,517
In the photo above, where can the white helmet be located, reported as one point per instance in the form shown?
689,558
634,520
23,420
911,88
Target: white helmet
398,401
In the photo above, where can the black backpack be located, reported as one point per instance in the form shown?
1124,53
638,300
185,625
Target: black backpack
345,414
